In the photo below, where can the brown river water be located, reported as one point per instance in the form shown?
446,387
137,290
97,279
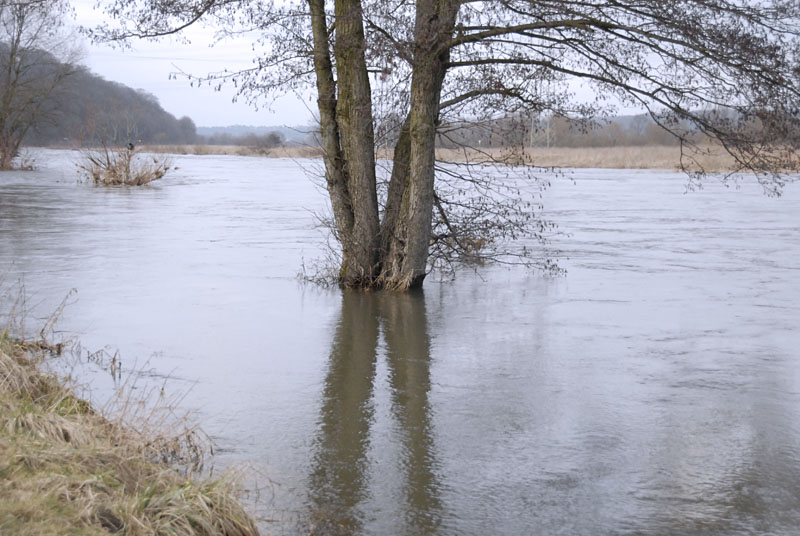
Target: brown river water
653,389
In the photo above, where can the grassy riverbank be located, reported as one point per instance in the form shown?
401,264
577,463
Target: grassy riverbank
65,469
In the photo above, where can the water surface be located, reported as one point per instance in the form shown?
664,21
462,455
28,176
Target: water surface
653,390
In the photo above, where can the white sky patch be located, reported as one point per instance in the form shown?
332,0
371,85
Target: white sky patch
148,65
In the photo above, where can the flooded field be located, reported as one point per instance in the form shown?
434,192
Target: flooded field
655,389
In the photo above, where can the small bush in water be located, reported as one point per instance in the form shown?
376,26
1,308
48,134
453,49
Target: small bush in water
108,167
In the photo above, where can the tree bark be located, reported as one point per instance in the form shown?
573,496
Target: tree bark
406,234
391,257
391,253
354,117
335,177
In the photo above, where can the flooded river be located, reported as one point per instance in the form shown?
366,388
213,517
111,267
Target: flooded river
655,389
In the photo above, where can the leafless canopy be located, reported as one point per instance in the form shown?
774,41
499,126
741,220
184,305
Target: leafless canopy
723,71
36,57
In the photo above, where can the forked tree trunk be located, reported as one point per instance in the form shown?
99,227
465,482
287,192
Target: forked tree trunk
393,253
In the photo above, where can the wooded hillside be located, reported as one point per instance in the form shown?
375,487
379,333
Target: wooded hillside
91,110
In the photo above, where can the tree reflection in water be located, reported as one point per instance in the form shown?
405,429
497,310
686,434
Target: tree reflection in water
339,484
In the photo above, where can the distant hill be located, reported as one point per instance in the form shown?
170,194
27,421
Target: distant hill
93,110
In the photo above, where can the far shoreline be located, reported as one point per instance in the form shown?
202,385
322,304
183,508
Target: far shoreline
707,158
661,157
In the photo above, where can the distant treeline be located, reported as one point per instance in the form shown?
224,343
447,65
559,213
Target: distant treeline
250,135
554,131
523,130
256,141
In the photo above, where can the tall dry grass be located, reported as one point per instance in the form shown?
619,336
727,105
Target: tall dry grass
236,150
625,157
66,469
631,157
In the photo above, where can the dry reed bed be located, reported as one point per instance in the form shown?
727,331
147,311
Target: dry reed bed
235,150
65,469
626,157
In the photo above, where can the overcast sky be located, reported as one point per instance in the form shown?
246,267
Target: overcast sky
148,66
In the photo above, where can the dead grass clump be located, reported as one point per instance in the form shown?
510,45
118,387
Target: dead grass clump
108,167
66,469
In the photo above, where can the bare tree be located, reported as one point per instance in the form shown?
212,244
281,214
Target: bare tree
397,72
36,57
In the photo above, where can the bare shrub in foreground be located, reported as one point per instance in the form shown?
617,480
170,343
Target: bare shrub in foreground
108,167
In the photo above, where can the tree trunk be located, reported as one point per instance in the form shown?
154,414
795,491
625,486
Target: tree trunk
5,156
406,229
332,155
354,118
392,253
347,138
391,256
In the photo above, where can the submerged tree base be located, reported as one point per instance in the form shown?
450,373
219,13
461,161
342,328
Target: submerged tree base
65,469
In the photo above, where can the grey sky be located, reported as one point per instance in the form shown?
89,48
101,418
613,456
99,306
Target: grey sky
148,66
